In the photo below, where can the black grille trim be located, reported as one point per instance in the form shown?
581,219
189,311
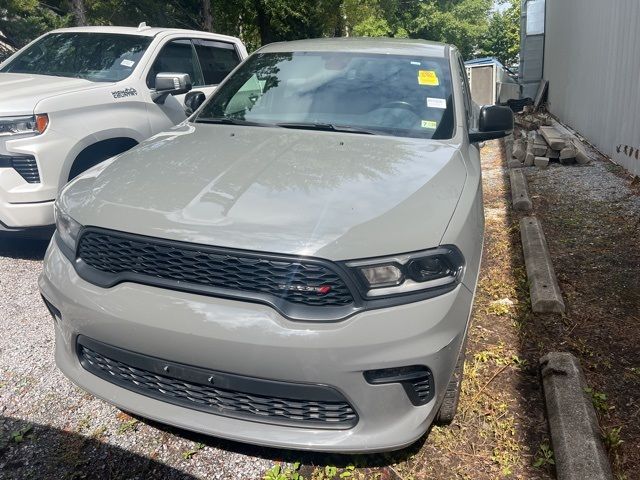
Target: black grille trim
25,165
219,393
214,271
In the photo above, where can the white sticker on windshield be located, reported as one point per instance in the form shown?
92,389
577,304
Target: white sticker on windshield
436,103
127,63
415,63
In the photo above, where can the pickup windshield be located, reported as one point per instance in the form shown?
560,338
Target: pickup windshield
341,92
99,57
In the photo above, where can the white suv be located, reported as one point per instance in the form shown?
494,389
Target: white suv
75,97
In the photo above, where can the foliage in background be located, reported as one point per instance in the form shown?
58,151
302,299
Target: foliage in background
468,24
503,35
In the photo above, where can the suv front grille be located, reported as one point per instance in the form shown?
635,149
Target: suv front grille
241,397
144,259
25,165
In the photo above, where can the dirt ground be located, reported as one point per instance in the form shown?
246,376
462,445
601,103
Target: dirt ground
591,216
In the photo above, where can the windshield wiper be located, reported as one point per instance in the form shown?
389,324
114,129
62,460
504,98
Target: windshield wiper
231,121
327,127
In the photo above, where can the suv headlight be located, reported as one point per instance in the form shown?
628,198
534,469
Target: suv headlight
34,124
67,228
409,273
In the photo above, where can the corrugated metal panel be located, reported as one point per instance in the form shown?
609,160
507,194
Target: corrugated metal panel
592,62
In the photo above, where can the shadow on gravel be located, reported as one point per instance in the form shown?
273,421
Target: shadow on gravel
23,248
38,451
306,458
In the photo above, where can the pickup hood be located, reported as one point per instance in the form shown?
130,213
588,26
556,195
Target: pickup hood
332,195
20,93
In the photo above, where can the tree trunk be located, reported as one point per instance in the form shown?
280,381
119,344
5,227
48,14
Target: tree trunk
78,11
264,23
207,18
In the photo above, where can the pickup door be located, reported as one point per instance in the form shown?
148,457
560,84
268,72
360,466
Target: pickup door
206,61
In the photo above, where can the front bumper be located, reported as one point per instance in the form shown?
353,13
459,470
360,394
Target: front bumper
23,204
254,340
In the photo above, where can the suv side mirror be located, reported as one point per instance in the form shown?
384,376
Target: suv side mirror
192,101
170,84
494,122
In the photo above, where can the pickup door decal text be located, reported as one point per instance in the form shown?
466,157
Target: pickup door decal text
127,92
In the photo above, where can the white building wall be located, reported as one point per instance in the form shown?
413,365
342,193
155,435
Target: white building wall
592,62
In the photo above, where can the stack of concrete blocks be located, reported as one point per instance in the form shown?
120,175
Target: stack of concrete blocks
540,147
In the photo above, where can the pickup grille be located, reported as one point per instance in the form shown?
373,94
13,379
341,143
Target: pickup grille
25,165
180,265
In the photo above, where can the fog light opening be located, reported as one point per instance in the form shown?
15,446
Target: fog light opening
417,381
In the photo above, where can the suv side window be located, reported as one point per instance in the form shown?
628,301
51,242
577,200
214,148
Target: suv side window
176,56
217,59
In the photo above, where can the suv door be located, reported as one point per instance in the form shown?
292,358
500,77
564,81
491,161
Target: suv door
206,61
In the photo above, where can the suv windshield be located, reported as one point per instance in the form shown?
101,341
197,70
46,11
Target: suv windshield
355,92
99,57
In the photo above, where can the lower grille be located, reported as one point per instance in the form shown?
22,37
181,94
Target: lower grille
247,398
25,165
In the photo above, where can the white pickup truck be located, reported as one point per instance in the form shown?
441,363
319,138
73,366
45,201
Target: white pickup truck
77,96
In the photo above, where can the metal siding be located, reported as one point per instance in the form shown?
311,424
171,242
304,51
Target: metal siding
592,62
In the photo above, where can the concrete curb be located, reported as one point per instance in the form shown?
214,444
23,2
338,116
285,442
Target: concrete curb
519,191
575,435
543,285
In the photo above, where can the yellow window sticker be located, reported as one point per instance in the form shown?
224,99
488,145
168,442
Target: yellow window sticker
430,124
428,77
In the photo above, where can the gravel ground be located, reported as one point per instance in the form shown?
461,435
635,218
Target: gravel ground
67,433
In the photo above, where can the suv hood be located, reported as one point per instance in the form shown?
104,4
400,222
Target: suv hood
332,195
20,93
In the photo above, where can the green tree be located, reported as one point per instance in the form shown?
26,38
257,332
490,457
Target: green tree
503,35
463,23
23,20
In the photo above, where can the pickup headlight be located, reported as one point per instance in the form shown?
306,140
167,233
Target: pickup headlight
66,227
34,124
409,273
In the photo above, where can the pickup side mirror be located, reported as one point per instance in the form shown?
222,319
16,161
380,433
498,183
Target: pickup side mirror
192,101
170,84
494,122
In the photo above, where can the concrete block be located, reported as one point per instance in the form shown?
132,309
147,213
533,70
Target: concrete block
555,139
575,435
519,191
514,163
543,285
582,155
528,160
541,162
551,153
519,149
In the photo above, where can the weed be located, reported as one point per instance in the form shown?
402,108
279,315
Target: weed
84,423
187,454
611,439
128,426
21,435
544,457
288,473
598,399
